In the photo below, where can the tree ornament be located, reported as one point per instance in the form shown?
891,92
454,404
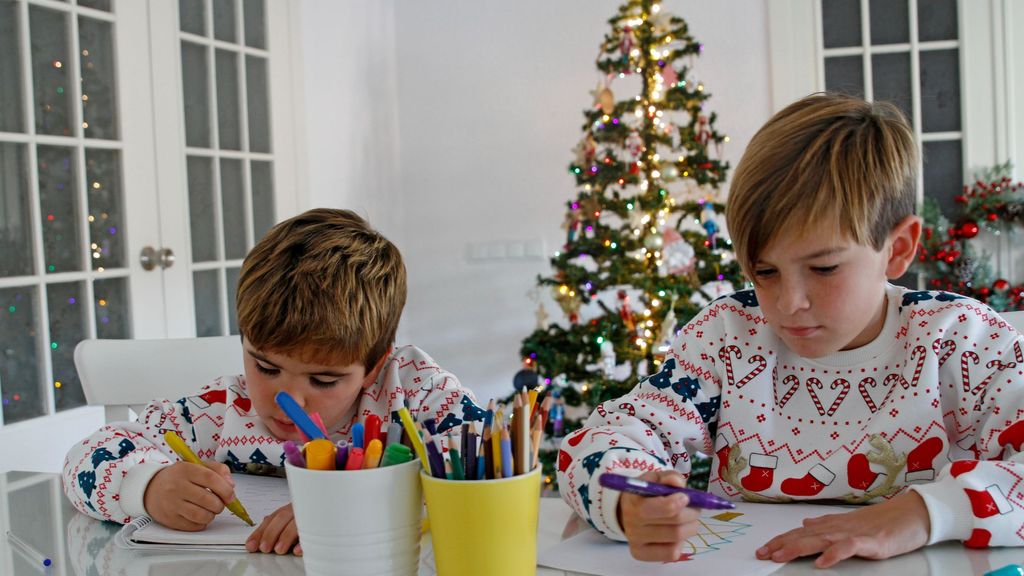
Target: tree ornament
702,133
569,301
965,269
668,329
586,151
653,241
677,256
542,316
968,229
624,311
524,379
608,359
606,101
1001,285
634,145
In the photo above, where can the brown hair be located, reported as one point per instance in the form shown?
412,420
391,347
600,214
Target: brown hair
325,287
825,158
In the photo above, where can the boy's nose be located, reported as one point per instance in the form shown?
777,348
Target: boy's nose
793,298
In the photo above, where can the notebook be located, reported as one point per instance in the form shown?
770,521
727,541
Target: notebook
260,495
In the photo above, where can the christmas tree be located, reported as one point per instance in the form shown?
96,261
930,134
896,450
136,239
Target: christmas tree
643,249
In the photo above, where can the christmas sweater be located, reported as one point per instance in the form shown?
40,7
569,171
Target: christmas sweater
106,474
934,404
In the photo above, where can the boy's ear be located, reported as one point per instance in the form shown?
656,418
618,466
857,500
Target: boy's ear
371,376
903,241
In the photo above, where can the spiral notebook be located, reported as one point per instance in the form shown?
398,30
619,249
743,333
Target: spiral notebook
260,495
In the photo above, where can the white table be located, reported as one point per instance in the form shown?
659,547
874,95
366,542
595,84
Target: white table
33,507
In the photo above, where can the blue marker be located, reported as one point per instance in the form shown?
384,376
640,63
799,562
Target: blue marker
29,552
298,415
357,434
1008,570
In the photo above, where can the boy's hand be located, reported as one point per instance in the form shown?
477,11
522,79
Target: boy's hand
878,531
657,527
277,533
187,496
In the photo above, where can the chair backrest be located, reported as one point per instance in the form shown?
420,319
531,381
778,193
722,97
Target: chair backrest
123,374
1015,318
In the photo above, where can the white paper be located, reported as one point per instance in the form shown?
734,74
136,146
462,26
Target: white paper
260,495
724,545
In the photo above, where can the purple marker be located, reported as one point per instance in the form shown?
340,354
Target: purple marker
698,498
341,455
294,454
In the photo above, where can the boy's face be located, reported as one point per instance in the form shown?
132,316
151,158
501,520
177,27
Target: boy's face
330,390
821,292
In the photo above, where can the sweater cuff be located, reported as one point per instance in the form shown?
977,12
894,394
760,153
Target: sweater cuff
949,510
133,487
609,500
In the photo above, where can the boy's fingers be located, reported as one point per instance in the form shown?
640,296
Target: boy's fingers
200,496
214,482
221,469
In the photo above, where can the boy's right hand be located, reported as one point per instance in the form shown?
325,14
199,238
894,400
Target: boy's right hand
187,496
657,527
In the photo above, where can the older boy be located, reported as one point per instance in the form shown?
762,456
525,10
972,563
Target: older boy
319,300
824,381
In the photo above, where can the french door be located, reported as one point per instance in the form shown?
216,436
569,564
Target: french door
144,146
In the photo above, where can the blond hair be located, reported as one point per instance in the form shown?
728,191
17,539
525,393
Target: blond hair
324,287
827,158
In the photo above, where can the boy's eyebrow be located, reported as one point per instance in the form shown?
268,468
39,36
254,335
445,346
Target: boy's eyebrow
265,360
823,253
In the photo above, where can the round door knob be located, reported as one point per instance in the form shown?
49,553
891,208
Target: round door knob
151,258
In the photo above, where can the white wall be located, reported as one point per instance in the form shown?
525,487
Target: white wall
490,100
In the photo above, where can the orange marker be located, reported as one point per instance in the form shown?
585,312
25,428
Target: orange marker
320,454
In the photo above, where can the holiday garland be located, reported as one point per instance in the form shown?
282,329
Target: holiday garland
948,257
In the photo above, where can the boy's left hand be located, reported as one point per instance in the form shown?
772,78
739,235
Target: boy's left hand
277,533
878,531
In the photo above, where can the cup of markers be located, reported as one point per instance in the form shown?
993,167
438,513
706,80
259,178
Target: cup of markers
357,504
483,492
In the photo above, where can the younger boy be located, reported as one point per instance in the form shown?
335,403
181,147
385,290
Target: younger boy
824,381
319,300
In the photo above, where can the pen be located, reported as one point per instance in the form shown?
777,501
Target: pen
186,454
298,415
698,498
355,458
30,552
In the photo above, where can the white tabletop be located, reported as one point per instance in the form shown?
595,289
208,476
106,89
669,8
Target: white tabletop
35,509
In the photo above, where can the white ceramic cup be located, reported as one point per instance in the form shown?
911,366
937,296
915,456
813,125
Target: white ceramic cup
358,522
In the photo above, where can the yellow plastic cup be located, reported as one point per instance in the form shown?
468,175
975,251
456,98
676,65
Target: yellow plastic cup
484,526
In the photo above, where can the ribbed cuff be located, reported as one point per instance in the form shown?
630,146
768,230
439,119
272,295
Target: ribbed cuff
609,501
133,487
949,510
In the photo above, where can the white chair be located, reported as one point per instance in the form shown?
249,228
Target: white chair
1016,319
127,374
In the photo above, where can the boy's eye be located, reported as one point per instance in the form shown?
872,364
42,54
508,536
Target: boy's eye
266,370
825,269
764,272
317,383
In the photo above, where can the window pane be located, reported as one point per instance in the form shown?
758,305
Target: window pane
201,216
229,109
258,90
207,293
192,16
890,22
845,74
15,217
20,373
98,105
106,213
262,199
58,203
51,71
944,174
224,20
936,20
890,75
97,4
112,308
10,69
197,95
255,24
231,275
67,308
940,90
232,195
841,23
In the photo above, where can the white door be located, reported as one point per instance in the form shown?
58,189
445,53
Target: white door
169,142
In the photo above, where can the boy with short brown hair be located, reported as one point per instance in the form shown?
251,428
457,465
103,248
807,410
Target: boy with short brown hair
319,300
824,381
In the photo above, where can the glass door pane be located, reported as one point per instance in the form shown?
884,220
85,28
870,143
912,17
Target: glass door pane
229,154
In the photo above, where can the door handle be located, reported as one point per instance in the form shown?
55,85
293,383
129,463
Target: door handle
151,258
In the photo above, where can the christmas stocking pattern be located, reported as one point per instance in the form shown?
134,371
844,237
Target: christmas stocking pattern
761,473
1013,437
722,454
811,484
988,502
860,476
920,467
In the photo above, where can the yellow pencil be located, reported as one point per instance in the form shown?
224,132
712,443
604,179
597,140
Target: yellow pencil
185,453
414,438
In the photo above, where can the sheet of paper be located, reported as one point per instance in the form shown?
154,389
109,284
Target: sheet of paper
260,495
725,544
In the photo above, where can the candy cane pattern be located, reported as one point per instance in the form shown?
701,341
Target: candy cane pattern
863,387
842,394
794,383
948,345
920,352
966,372
726,353
811,383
